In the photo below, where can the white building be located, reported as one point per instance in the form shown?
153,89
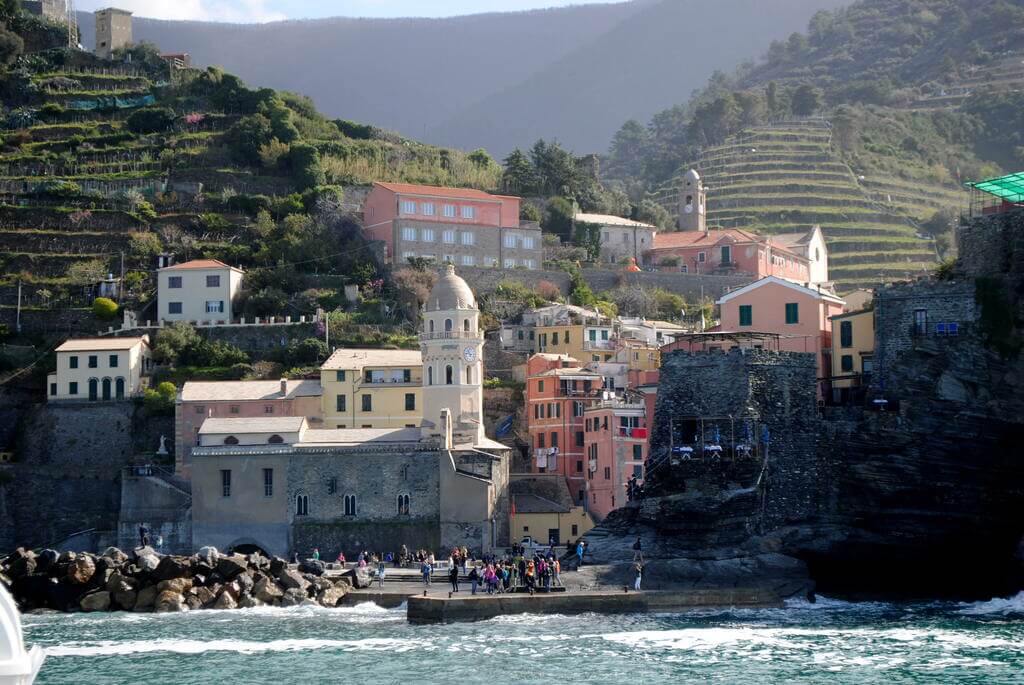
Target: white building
621,238
650,331
812,246
200,290
100,369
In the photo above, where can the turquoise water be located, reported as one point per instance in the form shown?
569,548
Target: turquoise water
829,641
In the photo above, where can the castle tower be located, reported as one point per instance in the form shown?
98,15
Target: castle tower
452,347
692,203
113,31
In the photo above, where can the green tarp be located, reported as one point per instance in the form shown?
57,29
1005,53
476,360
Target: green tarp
1009,188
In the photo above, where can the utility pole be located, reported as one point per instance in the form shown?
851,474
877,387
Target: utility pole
17,324
120,285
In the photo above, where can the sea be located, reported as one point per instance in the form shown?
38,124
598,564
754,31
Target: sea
829,641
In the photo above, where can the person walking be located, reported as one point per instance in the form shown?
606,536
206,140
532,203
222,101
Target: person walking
426,570
639,568
453,576
381,569
579,554
638,552
143,536
474,580
557,568
316,554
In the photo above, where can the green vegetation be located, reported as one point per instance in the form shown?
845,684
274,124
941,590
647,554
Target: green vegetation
104,308
161,400
997,321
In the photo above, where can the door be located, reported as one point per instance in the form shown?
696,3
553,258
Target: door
554,538
93,390
119,388
106,390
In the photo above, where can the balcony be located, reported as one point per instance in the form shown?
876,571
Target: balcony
450,335
606,345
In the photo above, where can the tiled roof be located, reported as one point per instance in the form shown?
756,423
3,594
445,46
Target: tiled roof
99,344
712,238
359,436
535,504
570,372
200,264
350,358
203,391
268,424
458,193
611,220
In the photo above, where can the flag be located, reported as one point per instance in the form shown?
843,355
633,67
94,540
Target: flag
512,506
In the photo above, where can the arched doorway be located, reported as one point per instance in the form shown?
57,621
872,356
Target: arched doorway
248,546
119,388
94,389
106,390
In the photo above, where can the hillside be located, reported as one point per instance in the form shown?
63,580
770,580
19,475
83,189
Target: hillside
497,80
896,104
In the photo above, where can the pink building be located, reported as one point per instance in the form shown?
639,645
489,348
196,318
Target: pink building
463,226
727,252
798,314
199,401
616,440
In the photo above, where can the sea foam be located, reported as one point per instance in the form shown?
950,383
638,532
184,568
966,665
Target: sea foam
1004,606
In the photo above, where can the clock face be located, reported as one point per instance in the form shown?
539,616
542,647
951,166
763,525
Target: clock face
469,354
688,209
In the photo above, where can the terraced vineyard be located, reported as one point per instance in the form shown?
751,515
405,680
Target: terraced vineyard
787,177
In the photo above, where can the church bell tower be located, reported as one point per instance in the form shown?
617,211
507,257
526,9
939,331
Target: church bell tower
692,203
452,347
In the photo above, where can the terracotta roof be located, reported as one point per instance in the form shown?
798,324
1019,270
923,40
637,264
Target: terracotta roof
99,344
768,280
459,193
713,237
568,372
359,358
203,391
359,436
610,220
200,264
268,424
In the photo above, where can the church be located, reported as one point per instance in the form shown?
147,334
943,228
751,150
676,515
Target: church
281,485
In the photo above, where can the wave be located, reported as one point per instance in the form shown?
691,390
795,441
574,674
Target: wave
1003,606
236,646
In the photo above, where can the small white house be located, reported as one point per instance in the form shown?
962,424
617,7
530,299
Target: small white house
100,369
202,290
621,238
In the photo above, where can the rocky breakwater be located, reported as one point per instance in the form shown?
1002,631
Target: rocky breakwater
149,582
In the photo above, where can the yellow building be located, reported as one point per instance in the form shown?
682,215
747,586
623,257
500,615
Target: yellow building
639,356
100,369
853,349
368,388
547,521
587,342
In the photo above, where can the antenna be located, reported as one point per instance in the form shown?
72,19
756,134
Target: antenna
72,24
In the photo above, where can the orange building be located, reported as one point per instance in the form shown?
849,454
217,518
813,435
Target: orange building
727,252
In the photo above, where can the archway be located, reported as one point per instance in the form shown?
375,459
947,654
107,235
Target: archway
106,390
94,393
248,546
119,388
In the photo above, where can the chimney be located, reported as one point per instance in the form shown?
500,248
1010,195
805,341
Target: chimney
284,387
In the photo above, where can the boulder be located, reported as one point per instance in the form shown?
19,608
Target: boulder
320,584
313,566
115,555
278,566
232,589
21,562
245,582
169,602
66,557
208,555
293,598
81,570
146,551
119,582
193,603
126,599
248,602
344,582
266,591
225,601
258,561
176,585
293,580
96,601
362,577
231,566
46,560
331,596
203,594
146,598
148,563
173,567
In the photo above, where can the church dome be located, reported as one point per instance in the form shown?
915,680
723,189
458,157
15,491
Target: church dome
450,292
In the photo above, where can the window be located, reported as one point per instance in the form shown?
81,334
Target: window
607,472
540,440
234,409
200,409
72,362
509,263
408,255
580,496
567,337
846,334
302,505
275,440
448,259
174,307
410,401
468,260
702,257
94,361
554,338
340,377
638,452
468,212
350,505
447,325
554,440
428,209
448,237
268,482
53,388
340,403
408,207
528,243
575,530
112,360
430,375
174,282
231,440
213,281
72,388
449,211
409,234
529,263
540,386
469,375
225,483
579,466
579,438
920,321
577,408
268,409
490,261
846,363
215,306
746,315
367,403
403,505
468,238
792,312
638,471
427,235
448,373
726,254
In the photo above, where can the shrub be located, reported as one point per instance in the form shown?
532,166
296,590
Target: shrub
549,291
161,400
307,171
150,120
104,308
528,212
351,129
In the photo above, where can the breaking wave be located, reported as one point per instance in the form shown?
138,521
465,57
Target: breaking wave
1004,606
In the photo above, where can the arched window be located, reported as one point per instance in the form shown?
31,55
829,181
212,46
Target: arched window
431,324
817,254
302,505
469,375
405,472
275,440
430,375
231,440
403,505
448,375
465,325
350,505
447,325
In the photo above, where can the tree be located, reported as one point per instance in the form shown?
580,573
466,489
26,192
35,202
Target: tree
87,273
172,341
651,212
245,138
588,236
557,171
558,218
806,100
151,120
104,308
628,150
529,212
519,175
481,158
161,400
307,170
11,46
273,152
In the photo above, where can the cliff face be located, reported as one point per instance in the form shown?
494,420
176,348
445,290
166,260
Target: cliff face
924,498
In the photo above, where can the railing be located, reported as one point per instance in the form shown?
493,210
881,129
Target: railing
451,335
599,344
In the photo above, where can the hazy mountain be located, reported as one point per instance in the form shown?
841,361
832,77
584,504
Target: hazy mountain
495,80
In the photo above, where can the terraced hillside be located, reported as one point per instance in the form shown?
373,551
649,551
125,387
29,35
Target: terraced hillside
787,177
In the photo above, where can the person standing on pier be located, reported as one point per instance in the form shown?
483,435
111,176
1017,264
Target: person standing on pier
579,553
639,568
426,570
453,576
380,573
474,580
